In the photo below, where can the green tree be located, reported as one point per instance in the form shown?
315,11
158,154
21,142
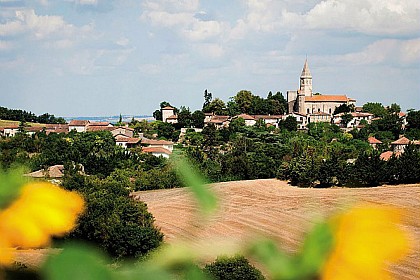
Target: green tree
343,108
198,119
233,268
244,100
217,106
376,109
345,119
290,123
207,99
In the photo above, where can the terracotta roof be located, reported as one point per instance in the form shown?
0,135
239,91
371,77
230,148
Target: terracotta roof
11,127
245,117
401,114
360,114
34,128
78,123
267,117
327,98
99,128
121,127
128,140
156,150
373,140
155,142
401,141
167,108
55,171
319,114
99,124
388,154
173,117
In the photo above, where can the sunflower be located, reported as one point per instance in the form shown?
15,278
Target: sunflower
40,211
367,238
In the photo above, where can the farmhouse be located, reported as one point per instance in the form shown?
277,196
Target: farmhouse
78,125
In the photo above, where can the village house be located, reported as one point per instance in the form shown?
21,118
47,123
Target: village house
357,118
269,120
317,117
402,143
10,131
157,151
168,115
218,121
249,120
398,147
122,131
127,142
168,145
78,125
374,142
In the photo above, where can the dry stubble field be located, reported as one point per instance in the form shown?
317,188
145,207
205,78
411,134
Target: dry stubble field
275,209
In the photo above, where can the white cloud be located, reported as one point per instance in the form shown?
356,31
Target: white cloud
181,16
39,26
388,51
123,41
209,50
6,45
365,16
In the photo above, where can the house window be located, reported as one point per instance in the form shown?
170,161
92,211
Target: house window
307,111
329,110
319,110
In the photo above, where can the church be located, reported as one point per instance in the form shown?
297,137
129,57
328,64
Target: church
303,101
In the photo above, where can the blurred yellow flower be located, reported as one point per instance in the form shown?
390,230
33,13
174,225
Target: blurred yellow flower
367,238
41,211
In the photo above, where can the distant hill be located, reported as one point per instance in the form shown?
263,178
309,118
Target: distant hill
111,119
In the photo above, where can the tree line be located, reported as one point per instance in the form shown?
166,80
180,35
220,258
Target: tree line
25,116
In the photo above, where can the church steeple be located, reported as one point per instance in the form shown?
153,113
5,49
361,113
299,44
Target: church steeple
306,80
305,72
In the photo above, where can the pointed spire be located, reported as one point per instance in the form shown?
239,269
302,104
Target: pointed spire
305,71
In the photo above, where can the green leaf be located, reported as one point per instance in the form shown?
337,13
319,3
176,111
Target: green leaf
77,262
197,184
10,185
316,249
278,264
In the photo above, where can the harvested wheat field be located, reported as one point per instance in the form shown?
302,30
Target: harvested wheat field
275,209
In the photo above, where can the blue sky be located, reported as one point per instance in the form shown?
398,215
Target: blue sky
106,57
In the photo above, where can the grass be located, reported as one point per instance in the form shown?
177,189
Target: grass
4,123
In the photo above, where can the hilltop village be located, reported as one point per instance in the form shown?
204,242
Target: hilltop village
212,135
307,140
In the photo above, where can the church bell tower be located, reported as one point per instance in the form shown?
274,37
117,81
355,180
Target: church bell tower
305,87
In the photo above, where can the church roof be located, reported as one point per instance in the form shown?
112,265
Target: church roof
305,71
327,98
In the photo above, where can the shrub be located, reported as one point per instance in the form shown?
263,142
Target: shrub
232,268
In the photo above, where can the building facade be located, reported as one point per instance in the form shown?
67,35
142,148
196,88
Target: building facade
304,101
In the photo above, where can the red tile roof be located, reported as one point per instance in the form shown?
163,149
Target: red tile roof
173,117
128,140
99,124
78,123
245,117
99,128
373,140
167,108
388,154
401,141
327,98
156,150
155,142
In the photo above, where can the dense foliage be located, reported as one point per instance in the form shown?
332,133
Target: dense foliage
21,115
116,223
233,268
